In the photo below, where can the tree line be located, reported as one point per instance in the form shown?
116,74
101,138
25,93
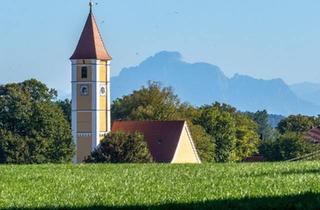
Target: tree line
35,128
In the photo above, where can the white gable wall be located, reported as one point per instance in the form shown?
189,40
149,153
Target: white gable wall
186,151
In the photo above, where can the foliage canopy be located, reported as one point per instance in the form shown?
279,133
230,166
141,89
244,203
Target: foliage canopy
233,132
32,127
120,147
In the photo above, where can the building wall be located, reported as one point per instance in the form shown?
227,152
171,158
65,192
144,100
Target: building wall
103,100
186,151
103,121
89,64
84,102
84,122
90,113
83,148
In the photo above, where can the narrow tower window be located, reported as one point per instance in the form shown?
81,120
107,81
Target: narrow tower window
84,72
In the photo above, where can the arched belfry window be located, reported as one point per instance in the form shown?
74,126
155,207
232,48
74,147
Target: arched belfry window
84,72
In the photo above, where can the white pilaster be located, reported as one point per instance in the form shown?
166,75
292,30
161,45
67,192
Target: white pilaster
108,98
95,104
74,109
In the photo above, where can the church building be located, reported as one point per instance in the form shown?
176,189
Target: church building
168,141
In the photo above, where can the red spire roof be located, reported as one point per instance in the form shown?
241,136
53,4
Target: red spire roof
90,45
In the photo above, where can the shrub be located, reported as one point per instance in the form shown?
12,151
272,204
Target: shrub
120,147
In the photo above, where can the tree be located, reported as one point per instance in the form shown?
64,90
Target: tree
290,141
65,106
221,126
121,147
289,145
298,124
270,151
293,145
32,126
148,103
203,142
264,129
247,137
233,133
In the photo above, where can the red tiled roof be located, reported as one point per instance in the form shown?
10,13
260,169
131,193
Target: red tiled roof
90,45
314,134
162,136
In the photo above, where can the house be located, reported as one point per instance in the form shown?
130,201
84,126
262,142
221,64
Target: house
314,135
168,141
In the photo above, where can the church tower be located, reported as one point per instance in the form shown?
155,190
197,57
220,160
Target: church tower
91,117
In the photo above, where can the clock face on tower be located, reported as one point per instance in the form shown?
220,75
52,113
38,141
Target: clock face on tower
103,90
84,90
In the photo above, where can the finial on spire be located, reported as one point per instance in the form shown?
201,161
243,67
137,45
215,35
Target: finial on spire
90,5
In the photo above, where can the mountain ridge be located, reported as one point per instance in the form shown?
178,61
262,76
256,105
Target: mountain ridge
307,91
203,83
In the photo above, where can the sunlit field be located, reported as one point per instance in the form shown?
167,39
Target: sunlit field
219,186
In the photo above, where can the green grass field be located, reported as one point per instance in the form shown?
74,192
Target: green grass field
215,186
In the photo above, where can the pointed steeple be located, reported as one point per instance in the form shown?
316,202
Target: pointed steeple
90,45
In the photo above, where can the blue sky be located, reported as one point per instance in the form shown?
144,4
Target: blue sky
265,38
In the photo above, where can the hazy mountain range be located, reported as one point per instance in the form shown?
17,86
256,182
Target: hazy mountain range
203,83
307,91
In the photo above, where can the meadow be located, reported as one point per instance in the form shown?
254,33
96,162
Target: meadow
156,186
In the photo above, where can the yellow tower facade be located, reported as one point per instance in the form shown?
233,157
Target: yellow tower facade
91,116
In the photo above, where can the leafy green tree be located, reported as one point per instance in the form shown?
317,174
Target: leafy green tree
298,124
247,137
32,126
148,103
270,150
290,142
203,142
121,147
264,129
292,145
65,106
289,145
233,133
188,112
222,127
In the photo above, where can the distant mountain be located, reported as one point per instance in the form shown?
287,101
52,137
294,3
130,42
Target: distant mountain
203,83
307,91
198,83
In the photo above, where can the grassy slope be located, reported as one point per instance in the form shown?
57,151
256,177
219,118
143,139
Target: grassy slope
256,186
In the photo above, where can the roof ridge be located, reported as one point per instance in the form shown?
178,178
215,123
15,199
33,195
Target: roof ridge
92,19
99,33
